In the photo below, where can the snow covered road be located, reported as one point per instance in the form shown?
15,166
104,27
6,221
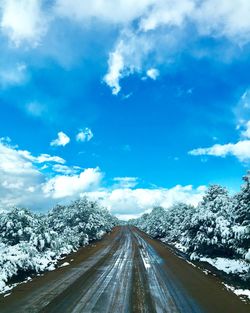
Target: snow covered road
125,272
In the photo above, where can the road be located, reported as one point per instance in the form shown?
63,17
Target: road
125,272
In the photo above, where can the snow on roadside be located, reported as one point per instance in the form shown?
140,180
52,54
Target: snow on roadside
176,244
6,288
242,293
229,266
64,264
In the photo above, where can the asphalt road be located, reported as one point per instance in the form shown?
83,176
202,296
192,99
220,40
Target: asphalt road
125,272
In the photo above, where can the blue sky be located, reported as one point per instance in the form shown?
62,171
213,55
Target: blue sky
153,100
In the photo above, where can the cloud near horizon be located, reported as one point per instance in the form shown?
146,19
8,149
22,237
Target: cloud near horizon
24,182
128,203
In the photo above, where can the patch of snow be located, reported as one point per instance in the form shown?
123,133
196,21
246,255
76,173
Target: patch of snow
206,272
228,266
64,264
191,263
242,293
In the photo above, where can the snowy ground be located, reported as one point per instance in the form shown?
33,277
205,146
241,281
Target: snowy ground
242,293
231,267
227,265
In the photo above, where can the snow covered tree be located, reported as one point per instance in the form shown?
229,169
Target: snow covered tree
32,242
17,225
242,202
241,206
153,223
210,230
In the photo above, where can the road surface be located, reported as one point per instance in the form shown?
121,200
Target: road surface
125,272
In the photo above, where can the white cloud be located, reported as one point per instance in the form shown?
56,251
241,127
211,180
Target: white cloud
85,134
127,58
67,186
116,66
61,140
42,158
17,175
229,19
23,20
66,170
165,12
163,26
127,202
125,182
153,73
14,161
241,150
146,29
224,19
23,182
48,158
103,10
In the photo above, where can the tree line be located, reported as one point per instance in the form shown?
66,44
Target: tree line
31,242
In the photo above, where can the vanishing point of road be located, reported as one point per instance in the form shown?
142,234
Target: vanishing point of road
125,272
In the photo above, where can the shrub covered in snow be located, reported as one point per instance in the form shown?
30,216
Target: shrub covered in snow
34,242
219,227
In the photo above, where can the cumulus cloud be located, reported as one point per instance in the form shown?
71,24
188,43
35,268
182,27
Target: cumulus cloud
42,158
103,10
66,170
85,134
15,161
240,149
23,20
48,158
66,186
229,19
127,58
24,182
163,26
171,13
20,176
127,202
147,32
153,73
61,140
116,66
